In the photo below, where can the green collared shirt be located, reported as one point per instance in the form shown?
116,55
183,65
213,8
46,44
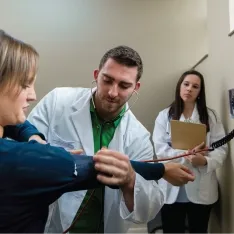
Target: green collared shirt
106,130
91,220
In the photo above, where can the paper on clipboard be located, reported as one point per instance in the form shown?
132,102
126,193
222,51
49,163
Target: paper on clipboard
186,135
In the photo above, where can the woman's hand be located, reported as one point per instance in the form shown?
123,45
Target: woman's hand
197,159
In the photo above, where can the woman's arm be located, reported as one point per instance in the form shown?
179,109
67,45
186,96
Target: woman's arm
22,132
215,158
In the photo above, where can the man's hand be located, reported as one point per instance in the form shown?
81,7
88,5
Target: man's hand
177,174
37,138
115,169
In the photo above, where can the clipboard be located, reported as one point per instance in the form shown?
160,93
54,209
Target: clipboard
186,135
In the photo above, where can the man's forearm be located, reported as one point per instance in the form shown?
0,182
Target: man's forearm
148,171
128,193
129,199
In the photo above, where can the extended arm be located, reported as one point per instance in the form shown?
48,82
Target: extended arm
21,132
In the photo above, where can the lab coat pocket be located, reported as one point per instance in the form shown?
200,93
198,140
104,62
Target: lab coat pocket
69,204
57,140
204,188
208,187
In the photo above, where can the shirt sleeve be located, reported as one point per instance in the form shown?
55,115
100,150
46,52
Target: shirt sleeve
21,132
35,170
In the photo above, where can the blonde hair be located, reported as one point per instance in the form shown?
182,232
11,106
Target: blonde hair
18,62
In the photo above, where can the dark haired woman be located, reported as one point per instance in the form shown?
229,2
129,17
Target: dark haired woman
193,200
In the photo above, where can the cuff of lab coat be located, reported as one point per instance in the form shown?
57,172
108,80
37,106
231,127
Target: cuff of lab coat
206,168
124,212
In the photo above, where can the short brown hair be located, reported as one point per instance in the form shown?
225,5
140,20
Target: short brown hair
126,56
18,61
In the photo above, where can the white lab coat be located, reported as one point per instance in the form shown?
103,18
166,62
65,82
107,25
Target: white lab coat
204,190
63,116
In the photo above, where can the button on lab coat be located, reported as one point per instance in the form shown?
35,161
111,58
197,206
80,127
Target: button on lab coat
204,190
63,116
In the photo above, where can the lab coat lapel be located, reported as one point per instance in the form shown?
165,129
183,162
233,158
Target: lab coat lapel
195,115
81,119
117,143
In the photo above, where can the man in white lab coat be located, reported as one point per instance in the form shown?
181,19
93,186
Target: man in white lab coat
89,119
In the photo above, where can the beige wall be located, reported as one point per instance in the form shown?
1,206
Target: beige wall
171,36
219,74
72,35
